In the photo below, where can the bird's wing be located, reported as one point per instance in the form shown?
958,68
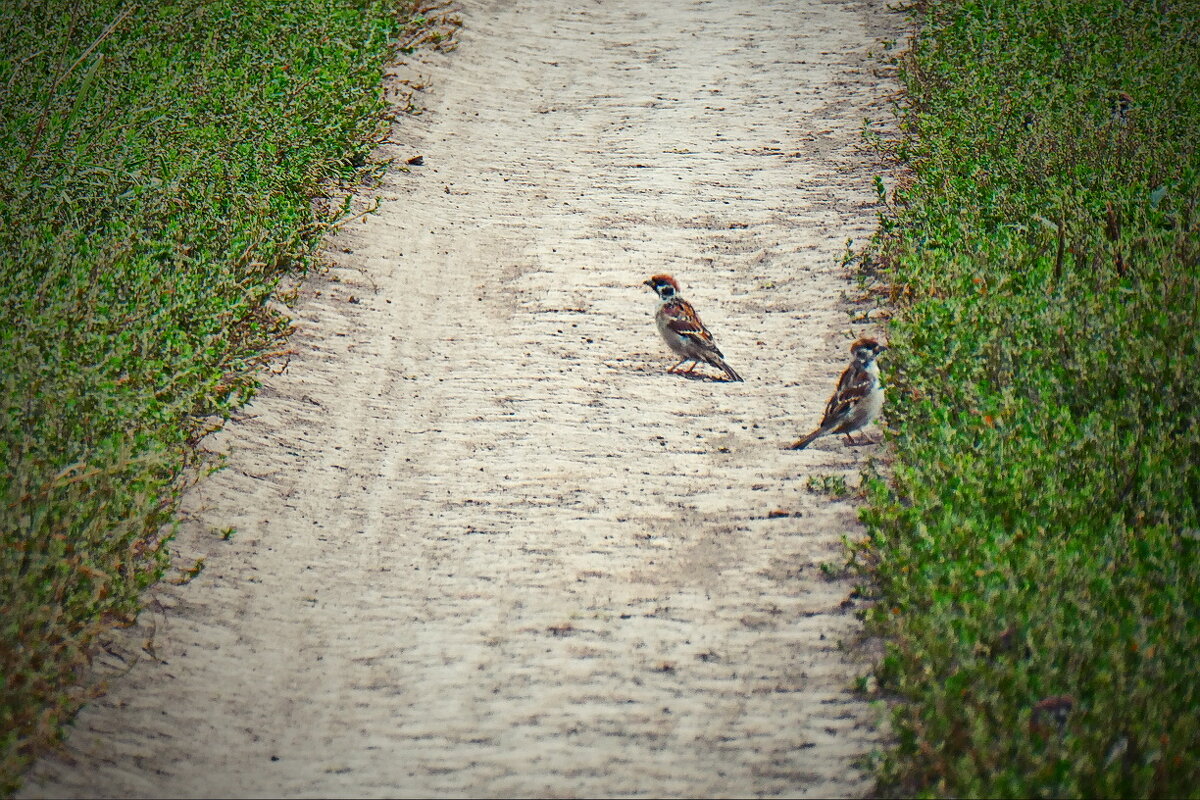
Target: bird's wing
683,320
853,386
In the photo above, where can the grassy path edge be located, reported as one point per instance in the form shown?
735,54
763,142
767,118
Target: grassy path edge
166,167
1035,548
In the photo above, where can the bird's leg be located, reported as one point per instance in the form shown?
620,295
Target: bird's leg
691,369
684,361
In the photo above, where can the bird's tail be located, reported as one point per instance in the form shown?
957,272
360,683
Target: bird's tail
728,370
807,440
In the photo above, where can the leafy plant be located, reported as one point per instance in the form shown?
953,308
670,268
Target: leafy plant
832,485
160,163
1037,582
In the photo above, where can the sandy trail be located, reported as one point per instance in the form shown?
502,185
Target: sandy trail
486,546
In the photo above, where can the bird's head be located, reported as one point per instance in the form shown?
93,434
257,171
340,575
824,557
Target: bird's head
664,286
865,350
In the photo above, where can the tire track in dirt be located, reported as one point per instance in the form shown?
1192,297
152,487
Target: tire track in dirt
486,545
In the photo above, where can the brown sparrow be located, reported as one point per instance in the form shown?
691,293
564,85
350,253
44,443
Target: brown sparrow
858,398
682,329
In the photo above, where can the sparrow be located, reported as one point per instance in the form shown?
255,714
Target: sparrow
858,398
682,329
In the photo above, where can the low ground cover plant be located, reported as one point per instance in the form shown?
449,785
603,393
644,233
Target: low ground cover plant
1037,549
160,163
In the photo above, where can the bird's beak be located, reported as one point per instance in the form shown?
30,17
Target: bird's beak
648,283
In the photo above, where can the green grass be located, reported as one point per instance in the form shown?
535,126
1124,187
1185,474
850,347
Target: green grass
1039,539
160,166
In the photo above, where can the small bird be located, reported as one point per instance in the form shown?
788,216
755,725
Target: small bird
858,398
682,329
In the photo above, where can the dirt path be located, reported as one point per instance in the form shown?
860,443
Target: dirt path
486,546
